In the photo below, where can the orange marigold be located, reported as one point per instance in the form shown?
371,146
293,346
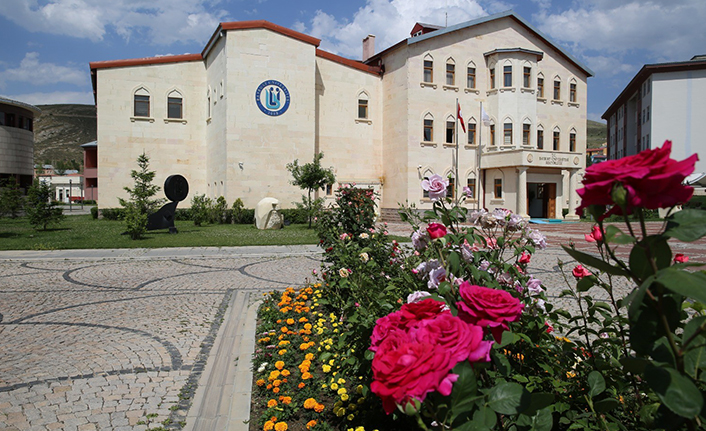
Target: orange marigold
290,321
285,372
269,425
281,426
286,400
303,319
277,383
279,365
301,385
284,329
309,357
260,382
318,408
310,403
271,403
275,390
306,376
311,424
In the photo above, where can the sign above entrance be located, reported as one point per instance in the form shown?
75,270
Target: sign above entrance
272,98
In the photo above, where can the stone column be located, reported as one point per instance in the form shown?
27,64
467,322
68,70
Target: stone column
573,186
522,192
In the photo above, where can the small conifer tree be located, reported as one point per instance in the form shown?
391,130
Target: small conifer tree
41,209
141,202
11,200
310,177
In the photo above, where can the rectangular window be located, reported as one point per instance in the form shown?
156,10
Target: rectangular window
648,113
492,78
428,130
555,141
362,108
471,183
425,193
2,118
329,189
471,133
451,189
557,90
507,134
507,76
498,188
492,134
572,93
428,71
10,120
471,78
450,74
174,107
142,106
450,132
526,134
527,76
540,87
540,139
572,142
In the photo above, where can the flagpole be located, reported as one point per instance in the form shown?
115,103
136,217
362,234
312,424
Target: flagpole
456,160
479,149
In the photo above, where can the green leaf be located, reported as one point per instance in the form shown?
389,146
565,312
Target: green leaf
597,384
639,262
606,405
454,261
614,235
688,284
508,338
677,392
687,225
634,365
538,401
485,417
594,262
585,284
691,328
508,398
464,389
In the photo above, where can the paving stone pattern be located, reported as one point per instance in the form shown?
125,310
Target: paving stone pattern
119,343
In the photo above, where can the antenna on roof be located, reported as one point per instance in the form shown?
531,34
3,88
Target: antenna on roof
446,24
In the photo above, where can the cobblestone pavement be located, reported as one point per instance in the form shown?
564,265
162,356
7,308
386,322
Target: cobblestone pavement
119,343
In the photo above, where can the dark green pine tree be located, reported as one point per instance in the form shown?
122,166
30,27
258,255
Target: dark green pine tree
40,208
141,202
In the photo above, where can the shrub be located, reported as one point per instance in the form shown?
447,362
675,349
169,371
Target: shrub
11,199
294,215
113,214
200,209
218,211
94,213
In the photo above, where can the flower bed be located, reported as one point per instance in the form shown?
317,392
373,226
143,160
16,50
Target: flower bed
457,334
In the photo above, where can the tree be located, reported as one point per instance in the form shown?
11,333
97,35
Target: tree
40,208
200,209
140,204
311,177
11,201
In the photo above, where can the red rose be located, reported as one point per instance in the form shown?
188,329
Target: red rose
595,235
488,307
651,179
436,230
680,258
581,272
524,257
404,318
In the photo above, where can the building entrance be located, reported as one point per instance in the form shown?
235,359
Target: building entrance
541,200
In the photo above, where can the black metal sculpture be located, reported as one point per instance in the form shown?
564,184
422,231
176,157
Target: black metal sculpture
176,188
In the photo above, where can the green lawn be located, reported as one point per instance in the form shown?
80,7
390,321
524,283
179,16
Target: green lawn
84,232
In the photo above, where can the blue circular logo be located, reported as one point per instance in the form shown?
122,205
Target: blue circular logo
272,98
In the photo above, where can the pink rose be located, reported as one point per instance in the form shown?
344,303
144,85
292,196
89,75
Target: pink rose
436,186
595,235
651,179
487,307
436,230
580,272
524,257
680,258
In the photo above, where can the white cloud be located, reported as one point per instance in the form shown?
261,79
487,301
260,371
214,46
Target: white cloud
668,30
390,21
608,66
53,98
37,73
160,22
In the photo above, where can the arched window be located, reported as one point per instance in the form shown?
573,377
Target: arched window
557,88
471,127
527,75
450,129
175,105
427,174
471,184
556,135
498,185
471,75
428,68
491,72
572,91
451,188
572,140
450,72
507,132
507,74
363,105
526,132
540,137
141,99
540,85
428,133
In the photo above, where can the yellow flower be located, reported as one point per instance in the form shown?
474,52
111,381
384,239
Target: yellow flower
269,425
326,368
570,374
344,397
359,389
334,386
341,381
279,365
342,391
309,357
281,426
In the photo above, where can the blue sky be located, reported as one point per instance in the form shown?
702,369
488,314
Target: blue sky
47,44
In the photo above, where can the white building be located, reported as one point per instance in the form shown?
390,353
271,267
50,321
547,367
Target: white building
665,101
259,96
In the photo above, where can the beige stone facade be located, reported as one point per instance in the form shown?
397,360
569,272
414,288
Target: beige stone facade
368,118
17,141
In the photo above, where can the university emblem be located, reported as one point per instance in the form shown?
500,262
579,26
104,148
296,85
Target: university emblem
272,98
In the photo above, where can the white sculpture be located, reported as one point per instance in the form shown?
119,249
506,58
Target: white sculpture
267,214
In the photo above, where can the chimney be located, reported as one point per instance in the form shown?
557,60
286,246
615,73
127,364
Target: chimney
368,46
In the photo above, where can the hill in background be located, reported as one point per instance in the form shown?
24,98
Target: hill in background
595,134
61,130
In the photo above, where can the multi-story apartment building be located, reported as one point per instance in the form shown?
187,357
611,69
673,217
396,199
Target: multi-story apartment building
664,101
259,96
17,141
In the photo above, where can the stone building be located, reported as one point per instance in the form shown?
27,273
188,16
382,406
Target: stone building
664,101
259,96
17,141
